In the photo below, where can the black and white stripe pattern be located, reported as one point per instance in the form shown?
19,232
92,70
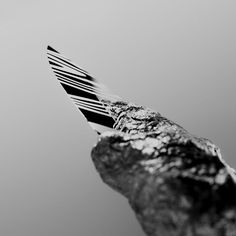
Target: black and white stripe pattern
83,90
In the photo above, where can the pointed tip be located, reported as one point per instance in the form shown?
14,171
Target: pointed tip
51,49
84,91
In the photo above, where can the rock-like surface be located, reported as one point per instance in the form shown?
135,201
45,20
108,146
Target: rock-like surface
176,183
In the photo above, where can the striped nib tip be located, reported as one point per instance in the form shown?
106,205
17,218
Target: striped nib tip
49,48
83,90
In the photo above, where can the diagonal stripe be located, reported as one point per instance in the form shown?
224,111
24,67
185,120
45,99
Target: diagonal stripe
85,99
68,64
90,103
101,109
75,86
89,87
92,110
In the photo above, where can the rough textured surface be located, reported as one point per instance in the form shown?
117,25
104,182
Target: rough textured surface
176,183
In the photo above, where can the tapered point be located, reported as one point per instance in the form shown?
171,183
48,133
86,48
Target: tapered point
51,49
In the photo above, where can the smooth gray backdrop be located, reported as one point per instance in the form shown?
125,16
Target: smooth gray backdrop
177,57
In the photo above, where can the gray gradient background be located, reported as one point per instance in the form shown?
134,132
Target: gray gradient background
177,57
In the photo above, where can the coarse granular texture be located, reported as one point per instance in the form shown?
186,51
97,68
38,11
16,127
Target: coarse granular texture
176,183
